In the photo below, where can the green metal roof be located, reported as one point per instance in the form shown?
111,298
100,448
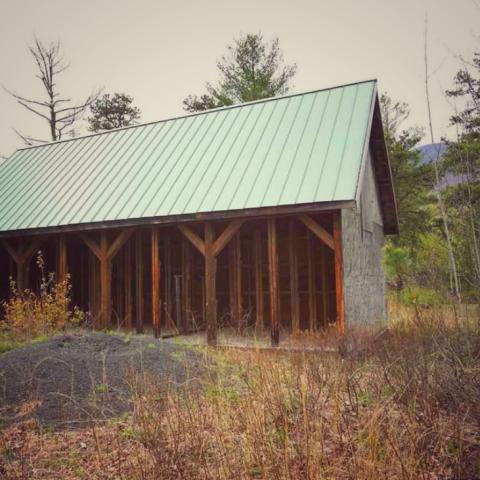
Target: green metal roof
302,148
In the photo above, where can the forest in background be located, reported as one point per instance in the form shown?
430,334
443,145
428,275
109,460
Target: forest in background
436,256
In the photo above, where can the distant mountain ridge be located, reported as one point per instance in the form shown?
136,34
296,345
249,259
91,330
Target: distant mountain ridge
434,151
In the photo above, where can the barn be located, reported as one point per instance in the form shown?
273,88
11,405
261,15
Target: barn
268,215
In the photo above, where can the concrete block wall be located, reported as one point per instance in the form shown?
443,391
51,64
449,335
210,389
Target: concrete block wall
363,238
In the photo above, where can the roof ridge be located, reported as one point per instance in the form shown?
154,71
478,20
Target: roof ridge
193,114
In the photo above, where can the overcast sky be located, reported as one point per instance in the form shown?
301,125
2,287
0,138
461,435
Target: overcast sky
161,51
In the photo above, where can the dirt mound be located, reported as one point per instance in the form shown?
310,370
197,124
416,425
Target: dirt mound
70,379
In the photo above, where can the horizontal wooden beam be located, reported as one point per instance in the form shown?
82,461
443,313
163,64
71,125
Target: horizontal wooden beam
196,241
318,230
249,213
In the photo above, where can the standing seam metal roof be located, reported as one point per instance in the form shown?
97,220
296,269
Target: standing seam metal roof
302,148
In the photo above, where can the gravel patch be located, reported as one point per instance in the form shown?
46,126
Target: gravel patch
72,379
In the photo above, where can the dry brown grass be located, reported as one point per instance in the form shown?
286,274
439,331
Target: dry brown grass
407,408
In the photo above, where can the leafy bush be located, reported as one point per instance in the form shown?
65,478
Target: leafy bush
29,314
419,296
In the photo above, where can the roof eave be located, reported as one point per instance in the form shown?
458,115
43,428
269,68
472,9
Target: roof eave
172,220
383,173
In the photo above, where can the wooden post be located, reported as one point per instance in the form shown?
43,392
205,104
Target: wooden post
231,283
92,286
186,284
105,253
257,253
178,303
293,264
324,286
22,257
337,237
168,277
156,311
127,285
105,282
312,284
237,282
210,248
273,276
210,273
62,259
23,268
139,282
117,268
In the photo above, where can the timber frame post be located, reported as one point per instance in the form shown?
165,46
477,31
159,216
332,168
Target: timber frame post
156,301
210,286
337,235
22,256
105,253
127,285
334,242
273,282
257,253
139,310
62,267
293,268
210,249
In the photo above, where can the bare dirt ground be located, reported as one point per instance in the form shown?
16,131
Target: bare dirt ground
71,379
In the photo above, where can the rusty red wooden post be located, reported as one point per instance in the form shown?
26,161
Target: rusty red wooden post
324,286
105,282
156,311
237,274
210,288
257,253
186,284
312,284
127,285
273,277
139,307
337,237
167,278
293,267
62,268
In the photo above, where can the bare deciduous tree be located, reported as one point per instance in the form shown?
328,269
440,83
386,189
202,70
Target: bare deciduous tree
437,182
57,111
